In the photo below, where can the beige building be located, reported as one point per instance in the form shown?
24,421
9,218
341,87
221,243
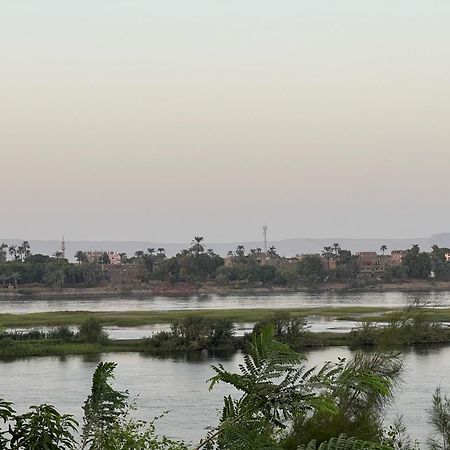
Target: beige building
97,256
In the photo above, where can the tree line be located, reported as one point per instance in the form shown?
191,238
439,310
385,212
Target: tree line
199,264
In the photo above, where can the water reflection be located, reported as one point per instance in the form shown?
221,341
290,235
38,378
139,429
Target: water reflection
22,305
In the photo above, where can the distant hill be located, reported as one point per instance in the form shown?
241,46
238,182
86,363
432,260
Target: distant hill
285,247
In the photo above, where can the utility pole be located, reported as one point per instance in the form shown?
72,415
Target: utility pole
63,248
265,238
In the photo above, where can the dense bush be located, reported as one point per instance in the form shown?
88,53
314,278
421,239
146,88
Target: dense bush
193,333
91,331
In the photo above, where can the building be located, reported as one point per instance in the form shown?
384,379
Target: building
104,257
371,264
396,257
447,257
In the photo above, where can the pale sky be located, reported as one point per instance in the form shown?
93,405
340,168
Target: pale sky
160,120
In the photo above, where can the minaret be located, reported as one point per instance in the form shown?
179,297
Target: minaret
63,248
265,238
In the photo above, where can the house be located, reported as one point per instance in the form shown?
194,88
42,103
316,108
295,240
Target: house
371,264
396,257
102,257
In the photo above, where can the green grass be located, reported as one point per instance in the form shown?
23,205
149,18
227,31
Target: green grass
137,318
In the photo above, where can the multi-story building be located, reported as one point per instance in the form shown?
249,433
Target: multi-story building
102,257
396,257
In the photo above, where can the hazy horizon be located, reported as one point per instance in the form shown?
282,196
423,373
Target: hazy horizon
157,121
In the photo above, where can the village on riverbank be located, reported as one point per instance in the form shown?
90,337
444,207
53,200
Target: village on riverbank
198,269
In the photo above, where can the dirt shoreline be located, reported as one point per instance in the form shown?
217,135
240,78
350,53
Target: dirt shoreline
190,289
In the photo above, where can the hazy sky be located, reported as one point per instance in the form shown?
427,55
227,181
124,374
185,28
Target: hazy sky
159,120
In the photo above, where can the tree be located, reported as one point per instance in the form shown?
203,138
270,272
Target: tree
44,428
276,389
272,251
81,257
15,276
417,263
58,254
13,252
336,248
161,252
383,249
102,408
440,265
240,252
23,251
197,245
3,252
91,331
439,417
123,258
310,268
55,275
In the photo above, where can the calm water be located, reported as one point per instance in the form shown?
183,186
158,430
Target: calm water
294,300
178,385
315,324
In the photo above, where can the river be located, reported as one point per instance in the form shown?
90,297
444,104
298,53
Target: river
178,385
20,305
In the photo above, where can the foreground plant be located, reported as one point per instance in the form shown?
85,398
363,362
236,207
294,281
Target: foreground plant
278,391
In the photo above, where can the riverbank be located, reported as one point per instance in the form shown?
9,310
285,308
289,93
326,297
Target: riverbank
190,289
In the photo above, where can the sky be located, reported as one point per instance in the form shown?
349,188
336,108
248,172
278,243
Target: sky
161,120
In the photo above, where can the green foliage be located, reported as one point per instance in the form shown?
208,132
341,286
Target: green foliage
417,263
441,266
359,389
91,331
102,408
274,388
345,443
310,268
193,333
290,330
439,417
44,428
408,326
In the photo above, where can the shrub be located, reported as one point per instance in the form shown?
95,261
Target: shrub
91,331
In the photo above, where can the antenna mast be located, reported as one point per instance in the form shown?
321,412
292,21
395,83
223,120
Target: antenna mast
265,238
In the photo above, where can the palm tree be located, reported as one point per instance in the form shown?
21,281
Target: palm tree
197,244
336,247
150,251
80,256
383,248
58,254
23,251
162,252
139,254
240,251
13,251
272,251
